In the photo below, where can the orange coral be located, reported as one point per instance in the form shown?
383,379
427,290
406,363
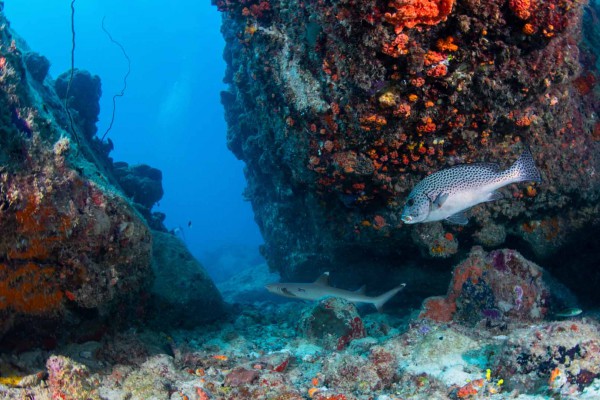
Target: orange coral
433,57
34,223
397,47
446,44
521,8
403,110
528,29
428,126
471,388
373,121
438,309
438,70
410,13
29,289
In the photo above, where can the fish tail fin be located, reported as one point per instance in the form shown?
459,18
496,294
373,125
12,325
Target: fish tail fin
524,169
379,301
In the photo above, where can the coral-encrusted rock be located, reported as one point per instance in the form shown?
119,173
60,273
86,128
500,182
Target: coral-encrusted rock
183,293
241,376
562,356
142,183
334,322
355,374
84,97
494,286
339,108
70,380
37,65
69,240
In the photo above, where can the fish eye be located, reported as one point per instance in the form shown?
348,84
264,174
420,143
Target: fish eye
410,202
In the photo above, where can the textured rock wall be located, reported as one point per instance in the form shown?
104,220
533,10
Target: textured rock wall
339,107
71,244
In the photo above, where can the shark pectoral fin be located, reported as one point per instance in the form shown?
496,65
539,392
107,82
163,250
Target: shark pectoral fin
460,218
495,195
323,280
361,290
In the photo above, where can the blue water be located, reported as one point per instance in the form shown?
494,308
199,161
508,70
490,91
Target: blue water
170,117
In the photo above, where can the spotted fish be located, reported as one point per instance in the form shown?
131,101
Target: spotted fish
446,194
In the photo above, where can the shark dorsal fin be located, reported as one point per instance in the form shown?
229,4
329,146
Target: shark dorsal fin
361,290
323,280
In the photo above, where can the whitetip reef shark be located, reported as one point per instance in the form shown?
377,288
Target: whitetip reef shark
320,289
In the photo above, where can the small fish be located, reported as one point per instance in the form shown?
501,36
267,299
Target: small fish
568,312
446,194
320,289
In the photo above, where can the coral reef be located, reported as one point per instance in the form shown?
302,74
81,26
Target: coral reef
257,354
339,108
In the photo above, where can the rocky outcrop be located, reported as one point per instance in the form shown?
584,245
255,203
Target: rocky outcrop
84,91
183,294
72,246
339,108
491,289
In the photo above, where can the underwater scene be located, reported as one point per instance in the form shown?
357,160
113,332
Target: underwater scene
295,200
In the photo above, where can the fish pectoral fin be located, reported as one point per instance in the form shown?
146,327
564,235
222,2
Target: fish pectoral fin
323,280
437,200
495,195
460,218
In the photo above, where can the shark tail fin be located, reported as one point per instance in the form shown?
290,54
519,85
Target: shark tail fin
379,301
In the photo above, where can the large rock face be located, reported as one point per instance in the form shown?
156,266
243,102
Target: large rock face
184,295
339,108
70,242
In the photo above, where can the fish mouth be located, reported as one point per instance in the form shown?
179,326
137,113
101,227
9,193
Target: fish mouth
407,219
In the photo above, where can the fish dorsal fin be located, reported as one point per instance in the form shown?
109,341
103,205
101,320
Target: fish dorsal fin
361,290
323,280
460,218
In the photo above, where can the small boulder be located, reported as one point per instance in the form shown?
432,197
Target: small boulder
141,183
333,322
84,97
492,286
37,65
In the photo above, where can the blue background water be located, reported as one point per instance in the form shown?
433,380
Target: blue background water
170,116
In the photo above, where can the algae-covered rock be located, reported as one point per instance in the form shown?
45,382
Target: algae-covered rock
332,322
84,91
339,108
183,293
561,357
492,287
72,246
68,379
